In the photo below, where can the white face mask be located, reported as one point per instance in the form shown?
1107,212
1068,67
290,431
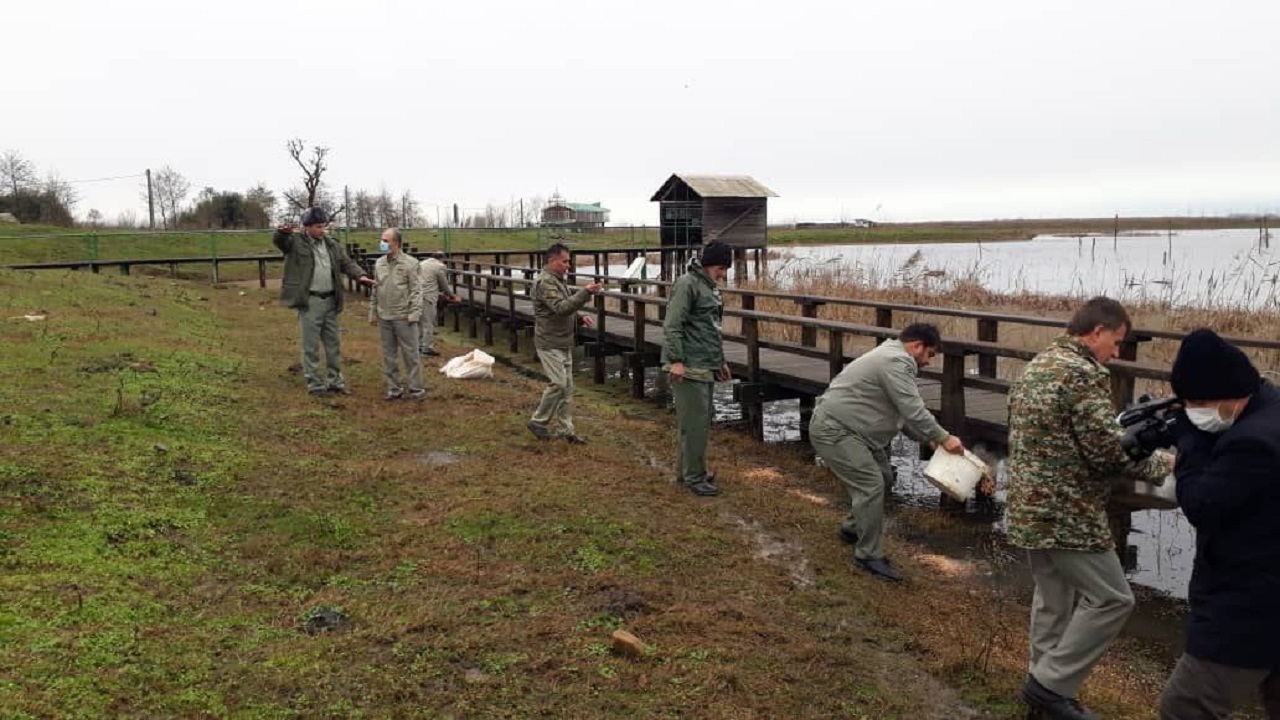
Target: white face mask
384,246
1208,419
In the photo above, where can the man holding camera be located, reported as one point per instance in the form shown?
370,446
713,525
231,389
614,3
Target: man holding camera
1064,448
1228,473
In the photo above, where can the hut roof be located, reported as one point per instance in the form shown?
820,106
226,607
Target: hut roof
733,186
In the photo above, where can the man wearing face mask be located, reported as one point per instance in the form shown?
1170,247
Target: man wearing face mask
313,287
1228,472
395,308
1064,449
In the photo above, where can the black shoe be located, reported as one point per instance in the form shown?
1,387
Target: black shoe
575,440
431,353
339,390
418,395
318,392
848,535
704,489
392,396
1051,704
540,431
879,567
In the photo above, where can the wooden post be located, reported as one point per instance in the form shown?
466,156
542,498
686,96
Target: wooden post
262,273
884,319
953,410
809,335
988,331
754,412
638,344
662,309
599,368
124,268
488,311
472,330
513,330
739,266
835,353
1122,383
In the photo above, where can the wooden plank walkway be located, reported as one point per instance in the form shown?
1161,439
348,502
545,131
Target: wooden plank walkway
986,410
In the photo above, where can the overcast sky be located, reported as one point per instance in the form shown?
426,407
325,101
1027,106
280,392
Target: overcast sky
889,110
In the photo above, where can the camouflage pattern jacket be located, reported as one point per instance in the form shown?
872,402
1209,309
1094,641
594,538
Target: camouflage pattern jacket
1064,448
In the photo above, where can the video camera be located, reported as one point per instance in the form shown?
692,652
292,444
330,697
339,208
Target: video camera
1149,426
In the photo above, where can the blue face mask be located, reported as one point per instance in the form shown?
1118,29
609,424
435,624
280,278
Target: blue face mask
383,246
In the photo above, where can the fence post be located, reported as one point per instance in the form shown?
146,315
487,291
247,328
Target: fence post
884,319
835,353
952,400
598,377
262,273
988,331
809,309
1122,382
513,330
753,411
638,322
213,256
488,311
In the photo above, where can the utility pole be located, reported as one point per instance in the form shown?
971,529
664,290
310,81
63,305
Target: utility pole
151,204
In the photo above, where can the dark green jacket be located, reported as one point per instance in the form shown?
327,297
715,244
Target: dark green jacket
555,312
692,327
299,265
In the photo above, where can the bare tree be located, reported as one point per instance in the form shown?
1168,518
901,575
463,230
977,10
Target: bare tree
94,218
61,190
365,213
16,172
170,189
313,192
410,212
127,219
386,208
262,205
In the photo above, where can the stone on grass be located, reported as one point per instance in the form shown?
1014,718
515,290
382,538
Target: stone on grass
627,645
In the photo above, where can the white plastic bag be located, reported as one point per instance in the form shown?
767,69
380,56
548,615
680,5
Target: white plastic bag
475,364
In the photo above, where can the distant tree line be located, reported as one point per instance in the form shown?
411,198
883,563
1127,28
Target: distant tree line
50,201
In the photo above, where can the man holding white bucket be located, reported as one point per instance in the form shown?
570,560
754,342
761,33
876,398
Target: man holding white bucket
855,419
1064,448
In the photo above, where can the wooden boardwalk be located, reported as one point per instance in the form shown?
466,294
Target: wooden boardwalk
791,374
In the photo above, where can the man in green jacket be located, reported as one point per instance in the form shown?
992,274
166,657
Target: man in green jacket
312,286
1064,449
855,420
693,354
555,312
395,308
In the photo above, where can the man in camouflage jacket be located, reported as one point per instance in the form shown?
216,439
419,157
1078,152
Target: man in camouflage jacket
1064,448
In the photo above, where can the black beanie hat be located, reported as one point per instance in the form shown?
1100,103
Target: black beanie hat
315,216
1210,368
717,253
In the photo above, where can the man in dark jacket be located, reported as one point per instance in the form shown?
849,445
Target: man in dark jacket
313,287
1228,474
693,354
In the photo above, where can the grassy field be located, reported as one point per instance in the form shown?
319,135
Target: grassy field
185,533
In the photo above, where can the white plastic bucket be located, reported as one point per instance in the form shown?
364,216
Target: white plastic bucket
955,475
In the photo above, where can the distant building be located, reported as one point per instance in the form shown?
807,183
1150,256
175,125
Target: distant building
699,208
574,216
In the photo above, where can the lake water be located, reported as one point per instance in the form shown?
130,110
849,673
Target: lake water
1212,268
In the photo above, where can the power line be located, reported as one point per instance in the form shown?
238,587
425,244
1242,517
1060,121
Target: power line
104,180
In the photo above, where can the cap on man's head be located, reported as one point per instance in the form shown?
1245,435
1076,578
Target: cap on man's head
1210,368
315,216
717,253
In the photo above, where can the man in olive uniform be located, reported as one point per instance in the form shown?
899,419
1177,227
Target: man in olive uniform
693,354
434,277
395,308
854,422
555,312
1064,448
313,287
